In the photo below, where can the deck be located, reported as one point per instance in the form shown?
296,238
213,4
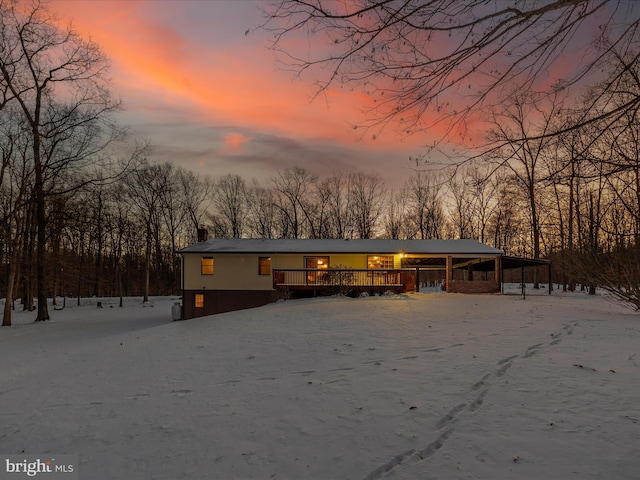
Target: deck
345,281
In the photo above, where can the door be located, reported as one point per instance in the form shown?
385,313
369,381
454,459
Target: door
316,263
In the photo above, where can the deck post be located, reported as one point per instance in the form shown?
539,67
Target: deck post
449,272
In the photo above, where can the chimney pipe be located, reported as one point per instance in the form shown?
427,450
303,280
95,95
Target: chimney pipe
203,234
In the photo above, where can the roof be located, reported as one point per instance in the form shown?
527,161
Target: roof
285,245
519,262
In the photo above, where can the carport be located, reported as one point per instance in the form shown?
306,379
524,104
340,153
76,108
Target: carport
510,263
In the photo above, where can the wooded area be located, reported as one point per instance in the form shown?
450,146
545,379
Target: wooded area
544,93
84,212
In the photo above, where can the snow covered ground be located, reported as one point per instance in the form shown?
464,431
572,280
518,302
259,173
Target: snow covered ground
416,386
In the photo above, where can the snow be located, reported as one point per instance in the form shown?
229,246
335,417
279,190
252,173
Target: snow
413,386
325,245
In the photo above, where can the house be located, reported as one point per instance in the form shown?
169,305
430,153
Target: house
220,275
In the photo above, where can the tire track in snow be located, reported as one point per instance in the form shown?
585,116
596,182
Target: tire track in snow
459,410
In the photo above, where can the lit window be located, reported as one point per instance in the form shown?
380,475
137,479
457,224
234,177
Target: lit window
264,265
317,262
199,300
206,266
380,261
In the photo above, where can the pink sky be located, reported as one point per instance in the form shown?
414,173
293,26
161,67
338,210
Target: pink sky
210,98
199,82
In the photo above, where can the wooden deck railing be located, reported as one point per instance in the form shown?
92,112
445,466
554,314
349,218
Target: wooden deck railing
318,278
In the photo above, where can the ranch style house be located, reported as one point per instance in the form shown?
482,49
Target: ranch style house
221,275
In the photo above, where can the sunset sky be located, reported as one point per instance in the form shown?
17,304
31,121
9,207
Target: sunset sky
208,95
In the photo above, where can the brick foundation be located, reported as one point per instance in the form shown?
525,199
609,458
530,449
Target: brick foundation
458,286
220,301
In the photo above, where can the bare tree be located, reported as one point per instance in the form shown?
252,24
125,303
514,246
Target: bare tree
319,211
424,204
616,154
520,127
449,57
461,210
15,187
340,215
144,190
505,226
395,220
174,216
366,201
261,211
294,188
597,170
119,225
58,82
484,185
617,272
197,195
570,169
230,202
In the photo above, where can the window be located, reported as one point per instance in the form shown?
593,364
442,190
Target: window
199,300
316,262
380,261
319,263
264,265
206,266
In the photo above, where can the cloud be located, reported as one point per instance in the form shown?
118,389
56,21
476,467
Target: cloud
211,99
186,53
234,141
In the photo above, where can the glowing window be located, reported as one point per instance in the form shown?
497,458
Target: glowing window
316,262
380,261
199,300
206,266
264,265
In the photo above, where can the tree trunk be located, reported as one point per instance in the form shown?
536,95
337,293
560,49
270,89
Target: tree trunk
41,214
119,281
147,266
26,265
11,280
97,288
536,231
